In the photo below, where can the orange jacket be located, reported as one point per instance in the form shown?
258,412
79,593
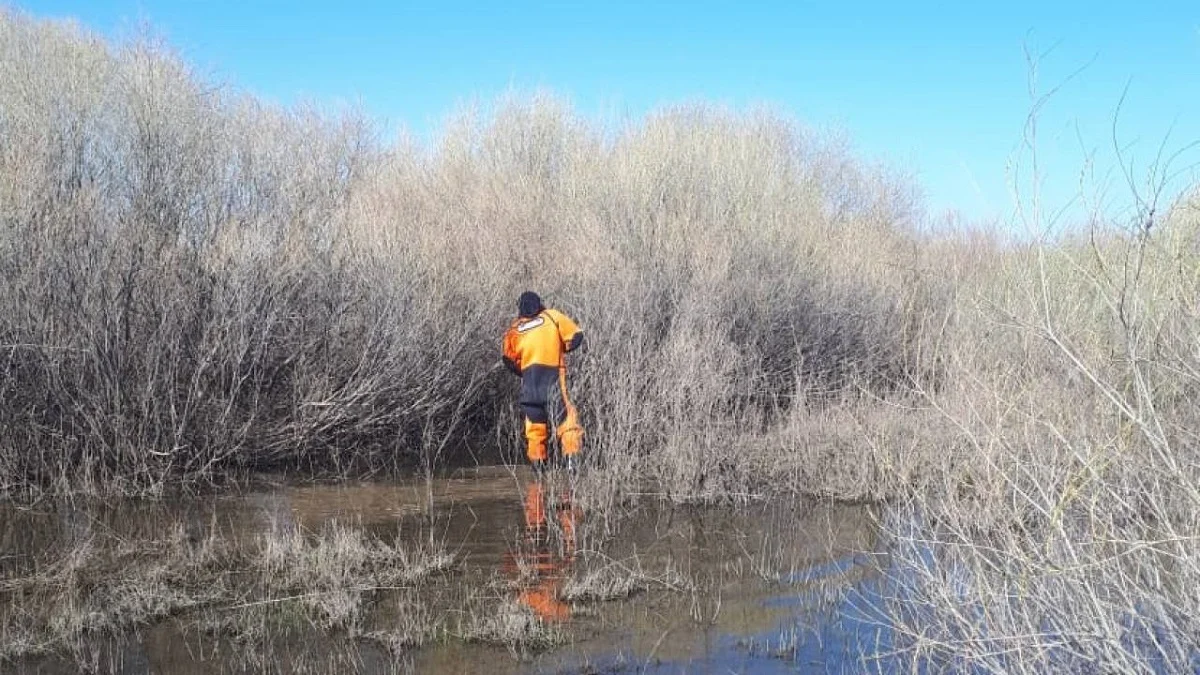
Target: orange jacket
541,340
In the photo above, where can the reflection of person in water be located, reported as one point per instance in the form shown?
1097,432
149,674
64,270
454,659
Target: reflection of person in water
540,563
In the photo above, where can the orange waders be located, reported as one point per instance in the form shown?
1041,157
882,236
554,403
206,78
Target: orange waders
534,348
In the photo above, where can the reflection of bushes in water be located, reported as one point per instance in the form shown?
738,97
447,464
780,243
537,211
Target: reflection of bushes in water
198,282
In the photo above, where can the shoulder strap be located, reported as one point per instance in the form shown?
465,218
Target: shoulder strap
557,330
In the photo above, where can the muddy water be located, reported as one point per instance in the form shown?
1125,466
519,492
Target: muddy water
769,587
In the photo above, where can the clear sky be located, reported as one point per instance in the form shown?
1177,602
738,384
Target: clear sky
935,89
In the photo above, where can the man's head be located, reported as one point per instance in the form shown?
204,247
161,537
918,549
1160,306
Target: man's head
529,304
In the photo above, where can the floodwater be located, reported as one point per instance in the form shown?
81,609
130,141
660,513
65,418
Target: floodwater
762,588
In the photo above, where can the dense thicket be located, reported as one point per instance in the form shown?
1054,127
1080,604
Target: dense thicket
195,281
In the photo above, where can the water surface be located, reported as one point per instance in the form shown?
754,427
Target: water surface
768,587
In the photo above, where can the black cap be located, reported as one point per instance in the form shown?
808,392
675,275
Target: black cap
529,304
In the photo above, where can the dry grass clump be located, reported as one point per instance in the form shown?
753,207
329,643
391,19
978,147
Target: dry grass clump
603,579
407,622
602,583
96,590
290,582
512,625
330,572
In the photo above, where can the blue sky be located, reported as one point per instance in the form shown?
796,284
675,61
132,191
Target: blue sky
939,90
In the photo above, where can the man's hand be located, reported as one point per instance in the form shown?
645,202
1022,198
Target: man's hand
577,344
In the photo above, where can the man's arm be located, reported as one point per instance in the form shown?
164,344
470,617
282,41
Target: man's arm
576,342
512,360
568,330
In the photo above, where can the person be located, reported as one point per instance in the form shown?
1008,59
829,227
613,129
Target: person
535,348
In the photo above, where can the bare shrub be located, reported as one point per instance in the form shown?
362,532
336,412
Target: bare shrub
198,284
1062,538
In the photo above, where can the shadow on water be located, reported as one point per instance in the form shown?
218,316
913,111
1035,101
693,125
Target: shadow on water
541,584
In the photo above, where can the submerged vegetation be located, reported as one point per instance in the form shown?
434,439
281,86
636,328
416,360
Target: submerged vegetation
250,582
197,285
106,584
